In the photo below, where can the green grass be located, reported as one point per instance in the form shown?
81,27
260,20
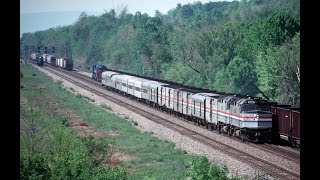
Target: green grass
151,158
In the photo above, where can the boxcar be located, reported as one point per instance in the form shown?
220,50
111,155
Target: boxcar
44,56
67,63
51,59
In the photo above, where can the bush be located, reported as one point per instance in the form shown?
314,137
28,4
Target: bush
106,107
202,170
97,149
64,120
109,173
33,166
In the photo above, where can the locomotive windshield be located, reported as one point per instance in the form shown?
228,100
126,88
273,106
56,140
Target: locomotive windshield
255,106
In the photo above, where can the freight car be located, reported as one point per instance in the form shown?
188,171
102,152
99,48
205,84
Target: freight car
44,56
241,116
97,70
51,59
65,63
286,121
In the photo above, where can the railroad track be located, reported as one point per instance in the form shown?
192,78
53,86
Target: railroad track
269,168
290,155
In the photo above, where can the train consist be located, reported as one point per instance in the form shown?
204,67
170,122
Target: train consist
64,63
246,117
250,118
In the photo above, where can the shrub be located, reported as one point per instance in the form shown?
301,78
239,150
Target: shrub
110,174
64,120
106,107
97,148
33,166
202,170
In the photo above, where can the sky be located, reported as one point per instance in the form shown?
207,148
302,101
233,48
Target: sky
53,13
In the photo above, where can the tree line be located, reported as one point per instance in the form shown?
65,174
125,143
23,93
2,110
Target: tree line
246,47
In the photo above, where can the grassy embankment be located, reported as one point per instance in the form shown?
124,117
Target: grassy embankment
62,136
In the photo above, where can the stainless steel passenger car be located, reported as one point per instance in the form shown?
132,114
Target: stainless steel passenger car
107,79
242,116
135,87
205,108
150,92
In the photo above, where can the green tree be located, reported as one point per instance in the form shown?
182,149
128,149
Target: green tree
274,31
279,72
242,76
197,39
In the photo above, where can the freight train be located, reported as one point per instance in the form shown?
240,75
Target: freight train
64,63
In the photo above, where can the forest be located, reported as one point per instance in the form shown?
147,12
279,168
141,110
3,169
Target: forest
249,47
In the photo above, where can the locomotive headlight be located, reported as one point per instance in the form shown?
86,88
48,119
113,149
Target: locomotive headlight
257,115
